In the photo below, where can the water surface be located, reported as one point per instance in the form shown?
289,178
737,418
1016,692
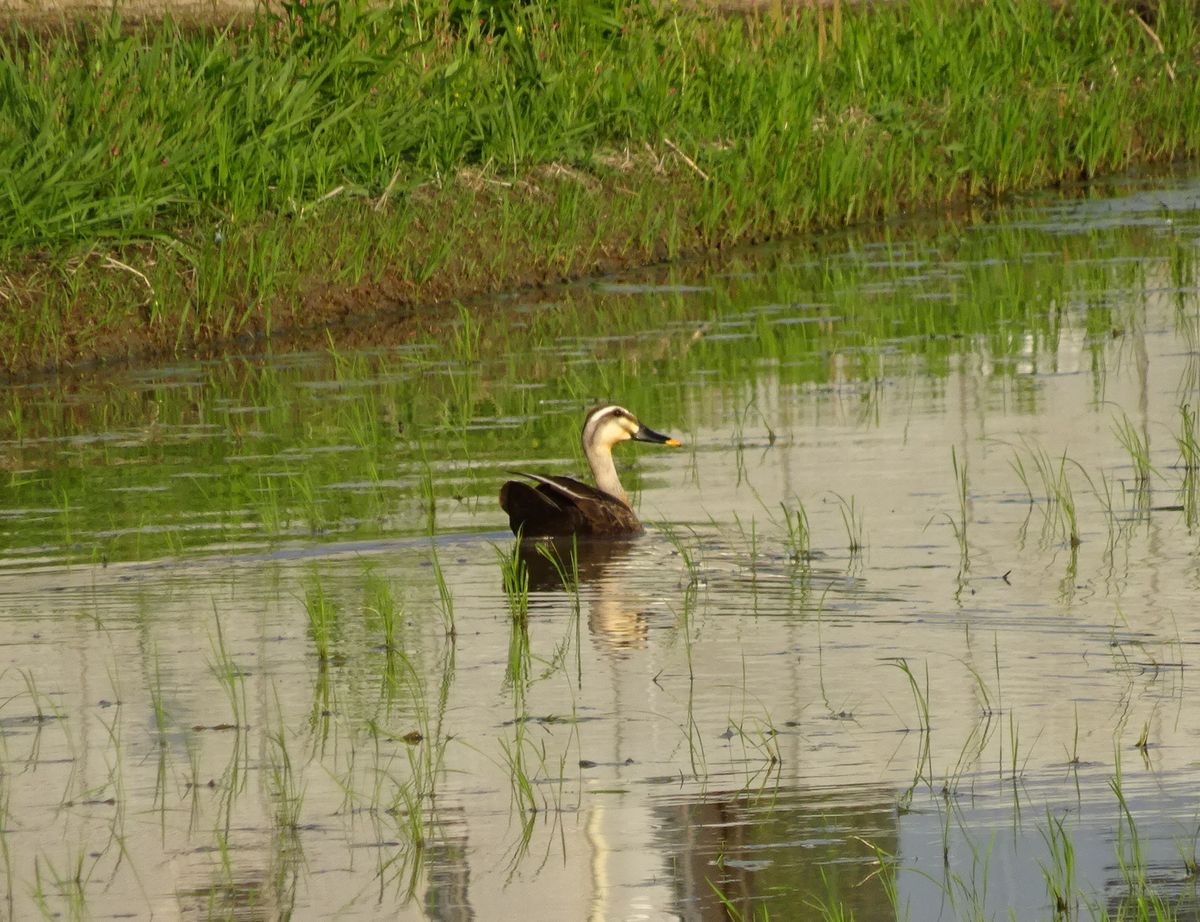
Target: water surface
910,635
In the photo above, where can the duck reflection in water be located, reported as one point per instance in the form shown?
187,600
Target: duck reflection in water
616,615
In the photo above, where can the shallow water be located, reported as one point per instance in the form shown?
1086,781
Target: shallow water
231,686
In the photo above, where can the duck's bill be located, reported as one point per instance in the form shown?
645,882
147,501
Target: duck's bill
649,435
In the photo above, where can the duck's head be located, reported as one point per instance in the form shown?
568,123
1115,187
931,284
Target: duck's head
605,426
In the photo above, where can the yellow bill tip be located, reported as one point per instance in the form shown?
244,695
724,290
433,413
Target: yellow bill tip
674,443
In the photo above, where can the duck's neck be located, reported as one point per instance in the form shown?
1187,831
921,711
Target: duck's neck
600,460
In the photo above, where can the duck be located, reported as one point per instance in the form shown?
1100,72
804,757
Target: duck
556,506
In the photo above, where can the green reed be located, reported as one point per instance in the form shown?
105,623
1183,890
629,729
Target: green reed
394,142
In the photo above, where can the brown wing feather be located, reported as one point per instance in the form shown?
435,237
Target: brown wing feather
532,512
564,506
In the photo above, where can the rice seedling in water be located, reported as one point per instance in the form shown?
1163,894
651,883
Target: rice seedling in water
1137,446
687,553
1059,870
567,570
228,673
380,604
751,542
1130,860
920,696
283,784
445,597
515,756
406,863
1059,499
67,885
1189,460
759,913
960,524
1187,852
852,520
924,765
322,617
798,540
967,893
515,575
430,496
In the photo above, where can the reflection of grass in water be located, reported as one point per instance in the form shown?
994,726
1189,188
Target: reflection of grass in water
276,445
966,890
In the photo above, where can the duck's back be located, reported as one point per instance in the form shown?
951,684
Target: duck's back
564,506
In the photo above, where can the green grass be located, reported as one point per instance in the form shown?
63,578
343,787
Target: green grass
166,188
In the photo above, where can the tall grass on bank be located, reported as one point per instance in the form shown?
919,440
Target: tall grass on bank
189,184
